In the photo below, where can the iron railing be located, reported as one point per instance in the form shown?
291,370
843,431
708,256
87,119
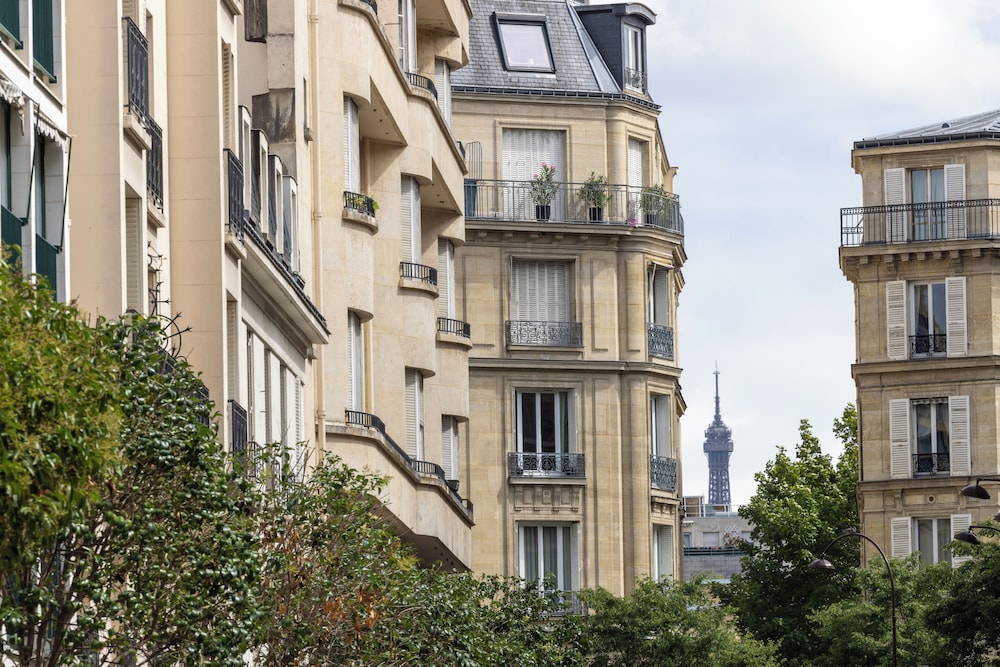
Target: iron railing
137,57
558,334
635,78
519,201
545,464
928,345
660,340
567,603
239,425
919,223
154,163
10,19
454,327
373,5
46,261
421,81
234,168
11,227
419,272
357,202
663,473
427,468
931,464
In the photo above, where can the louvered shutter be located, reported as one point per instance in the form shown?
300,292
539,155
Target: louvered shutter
902,543
352,148
899,438
449,447
556,308
442,81
227,96
959,436
954,190
660,296
573,576
959,522
246,159
636,180
409,219
355,368
895,319
957,342
660,409
135,256
518,285
664,552
524,152
299,426
446,279
895,193
414,414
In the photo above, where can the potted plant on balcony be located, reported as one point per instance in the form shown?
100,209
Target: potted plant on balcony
543,191
655,203
594,194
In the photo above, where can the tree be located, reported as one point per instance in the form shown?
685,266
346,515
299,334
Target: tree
801,504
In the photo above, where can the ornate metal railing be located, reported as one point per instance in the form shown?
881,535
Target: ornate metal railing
454,327
558,334
372,4
567,603
635,79
357,202
545,464
235,171
660,340
663,473
46,261
931,464
239,423
572,202
154,163
928,345
419,272
427,468
421,81
137,57
919,223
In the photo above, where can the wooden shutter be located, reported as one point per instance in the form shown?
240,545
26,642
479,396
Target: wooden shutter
556,301
446,279
352,148
959,522
959,436
902,543
664,540
895,193
635,151
227,96
895,319
414,414
954,190
899,438
957,341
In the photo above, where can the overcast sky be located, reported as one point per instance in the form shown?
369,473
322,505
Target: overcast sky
762,101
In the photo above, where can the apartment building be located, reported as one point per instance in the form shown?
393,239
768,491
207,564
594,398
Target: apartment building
569,278
921,255
34,141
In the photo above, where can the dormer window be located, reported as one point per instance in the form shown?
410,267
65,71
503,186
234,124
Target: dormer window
635,59
524,42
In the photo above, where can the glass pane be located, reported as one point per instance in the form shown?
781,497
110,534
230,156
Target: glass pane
937,185
548,422
529,436
525,45
921,310
918,186
565,578
550,551
529,538
941,427
943,537
925,540
938,306
922,428
563,422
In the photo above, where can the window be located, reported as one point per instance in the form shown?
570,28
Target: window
446,279
258,180
636,179
635,59
414,414
659,295
275,198
933,433
524,43
925,218
408,35
549,555
540,291
936,322
289,224
449,446
524,152
659,410
928,536
546,422
355,364
352,148
710,539
442,81
663,551
410,219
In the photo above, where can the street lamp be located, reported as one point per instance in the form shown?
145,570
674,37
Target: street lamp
969,537
977,491
822,563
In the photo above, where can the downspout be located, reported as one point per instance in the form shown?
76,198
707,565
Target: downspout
316,220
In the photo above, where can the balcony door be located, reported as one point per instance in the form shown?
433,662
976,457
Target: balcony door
524,153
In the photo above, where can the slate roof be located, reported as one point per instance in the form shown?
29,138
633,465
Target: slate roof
984,125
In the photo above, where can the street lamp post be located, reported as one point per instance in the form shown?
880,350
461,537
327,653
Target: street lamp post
969,537
977,491
822,563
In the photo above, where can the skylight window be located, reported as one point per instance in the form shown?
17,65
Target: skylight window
524,43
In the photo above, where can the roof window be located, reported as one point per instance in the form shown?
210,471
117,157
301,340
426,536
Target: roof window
524,42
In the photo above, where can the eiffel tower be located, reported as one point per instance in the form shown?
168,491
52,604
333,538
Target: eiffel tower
718,447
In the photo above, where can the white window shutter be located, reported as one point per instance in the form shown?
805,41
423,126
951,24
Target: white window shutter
957,341
524,151
408,214
902,544
442,81
959,435
899,438
664,552
954,190
635,151
895,319
574,557
959,522
661,296
246,159
446,279
355,363
449,447
414,414
895,193
352,152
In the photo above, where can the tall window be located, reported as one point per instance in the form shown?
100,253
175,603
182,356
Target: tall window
929,320
449,446
549,555
414,413
663,552
410,219
927,186
546,422
926,319
928,536
289,224
524,43
929,436
635,59
442,81
540,291
659,410
524,153
408,35
658,298
924,189
636,179
446,279
352,148
355,364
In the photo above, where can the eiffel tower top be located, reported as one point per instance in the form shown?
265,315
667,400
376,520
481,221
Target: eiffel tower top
718,436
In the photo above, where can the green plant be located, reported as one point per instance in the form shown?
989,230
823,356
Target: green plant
543,187
654,199
595,191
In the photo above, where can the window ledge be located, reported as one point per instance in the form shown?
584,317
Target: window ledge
418,285
454,339
542,478
363,219
135,132
156,215
235,7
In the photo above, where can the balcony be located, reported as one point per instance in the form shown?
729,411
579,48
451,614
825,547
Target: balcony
234,170
424,274
454,327
512,201
420,81
663,473
660,340
553,334
137,62
929,465
635,79
545,464
920,223
360,203
929,345
154,164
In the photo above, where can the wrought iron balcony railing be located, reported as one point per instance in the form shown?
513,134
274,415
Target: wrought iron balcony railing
920,223
137,62
421,81
520,201
635,79
567,603
660,340
235,171
154,163
663,473
931,464
427,468
239,425
454,327
361,203
545,464
928,345
419,272
557,334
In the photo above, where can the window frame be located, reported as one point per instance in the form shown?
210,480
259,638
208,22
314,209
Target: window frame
564,532
564,415
659,407
930,331
501,19
658,556
634,47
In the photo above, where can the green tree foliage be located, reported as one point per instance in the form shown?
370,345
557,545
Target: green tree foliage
801,504
663,624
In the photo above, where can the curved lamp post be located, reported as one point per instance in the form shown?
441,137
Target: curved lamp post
977,491
969,537
822,563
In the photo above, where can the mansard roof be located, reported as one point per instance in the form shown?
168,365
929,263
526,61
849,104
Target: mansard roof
984,125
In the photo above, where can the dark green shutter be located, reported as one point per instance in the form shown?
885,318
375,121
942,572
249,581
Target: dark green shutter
10,19
43,37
